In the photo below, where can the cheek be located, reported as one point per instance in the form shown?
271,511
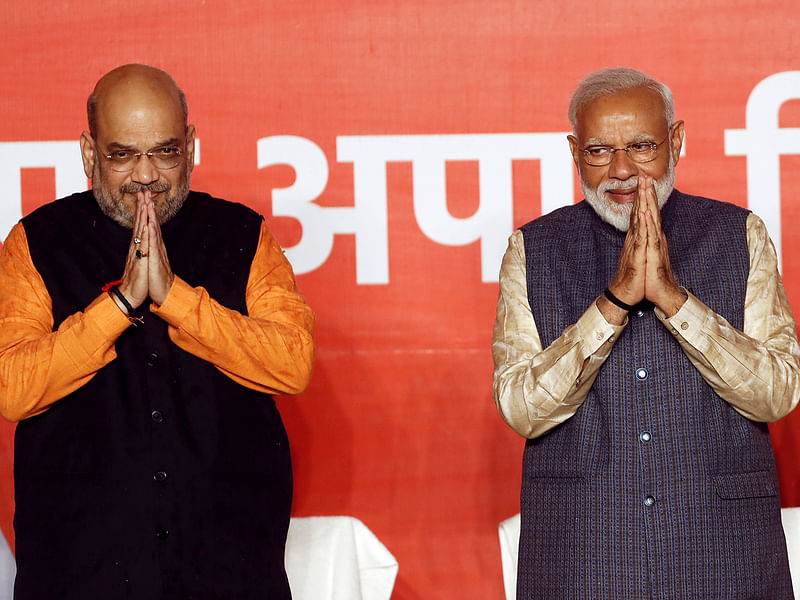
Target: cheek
656,169
109,179
594,176
176,178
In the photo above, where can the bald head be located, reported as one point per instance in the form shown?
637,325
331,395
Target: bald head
134,81
138,112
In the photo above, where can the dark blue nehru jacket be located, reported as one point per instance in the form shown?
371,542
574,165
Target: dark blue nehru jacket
656,487
161,477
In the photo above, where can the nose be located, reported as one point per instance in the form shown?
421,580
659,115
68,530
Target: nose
143,171
621,166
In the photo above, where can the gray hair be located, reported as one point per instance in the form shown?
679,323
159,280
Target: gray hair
612,81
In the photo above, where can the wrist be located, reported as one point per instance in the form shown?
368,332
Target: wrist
611,297
613,314
122,303
626,294
672,302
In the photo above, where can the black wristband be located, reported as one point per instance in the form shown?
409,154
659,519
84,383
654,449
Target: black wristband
614,300
132,316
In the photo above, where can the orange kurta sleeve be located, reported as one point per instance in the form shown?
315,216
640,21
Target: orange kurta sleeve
271,349
39,366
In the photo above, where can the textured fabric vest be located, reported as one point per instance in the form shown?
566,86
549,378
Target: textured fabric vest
656,487
161,477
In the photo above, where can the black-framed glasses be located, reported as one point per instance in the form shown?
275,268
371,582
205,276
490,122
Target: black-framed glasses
638,152
124,161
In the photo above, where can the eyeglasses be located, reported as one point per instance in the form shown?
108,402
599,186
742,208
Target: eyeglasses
638,152
124,161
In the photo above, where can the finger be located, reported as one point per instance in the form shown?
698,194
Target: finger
637,233
635,223
141,238
134,277
144,200
658,263
652,201
638,209
653,237
160,273
642,201
641,196
139,219
153,226
138,246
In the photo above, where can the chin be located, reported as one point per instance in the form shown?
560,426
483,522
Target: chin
615,214
619,215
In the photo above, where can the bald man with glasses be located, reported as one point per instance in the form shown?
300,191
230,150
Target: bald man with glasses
144,328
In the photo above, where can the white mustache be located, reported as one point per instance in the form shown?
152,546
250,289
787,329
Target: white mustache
615,184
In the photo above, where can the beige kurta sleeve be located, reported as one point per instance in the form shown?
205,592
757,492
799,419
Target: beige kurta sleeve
756,370
535,389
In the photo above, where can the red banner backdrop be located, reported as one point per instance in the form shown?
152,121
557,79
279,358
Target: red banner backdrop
392,147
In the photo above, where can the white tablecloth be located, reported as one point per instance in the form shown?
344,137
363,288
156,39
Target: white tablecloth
8,569
337,558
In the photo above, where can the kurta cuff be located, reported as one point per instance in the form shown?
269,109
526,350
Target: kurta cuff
104,320
688,322
597,336
179,301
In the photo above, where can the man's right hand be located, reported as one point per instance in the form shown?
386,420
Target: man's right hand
629,283
134,285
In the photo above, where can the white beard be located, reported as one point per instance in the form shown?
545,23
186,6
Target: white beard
619,215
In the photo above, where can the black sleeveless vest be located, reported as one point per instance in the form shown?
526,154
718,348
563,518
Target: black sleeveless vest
160,477
656,487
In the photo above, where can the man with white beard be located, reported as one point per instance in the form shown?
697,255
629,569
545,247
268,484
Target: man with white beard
643,341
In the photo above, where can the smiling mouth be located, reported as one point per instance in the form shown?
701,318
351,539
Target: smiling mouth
622,195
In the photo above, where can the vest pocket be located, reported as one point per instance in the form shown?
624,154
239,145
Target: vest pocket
756,484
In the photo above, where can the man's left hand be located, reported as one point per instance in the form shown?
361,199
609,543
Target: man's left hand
660,285
159,273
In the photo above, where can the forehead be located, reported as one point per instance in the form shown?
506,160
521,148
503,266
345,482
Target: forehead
622,117
138,115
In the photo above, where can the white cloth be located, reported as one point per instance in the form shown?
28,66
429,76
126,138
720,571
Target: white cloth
337,558
509,549
8,570
791,528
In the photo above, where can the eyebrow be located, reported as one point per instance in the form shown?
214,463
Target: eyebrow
119,146
642,137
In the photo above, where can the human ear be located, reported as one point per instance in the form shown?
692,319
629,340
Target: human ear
676,135
88,153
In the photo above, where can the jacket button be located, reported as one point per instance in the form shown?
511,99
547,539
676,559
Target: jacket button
162,533
157,416
152,359
649,501
160,476
645,436
641,373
